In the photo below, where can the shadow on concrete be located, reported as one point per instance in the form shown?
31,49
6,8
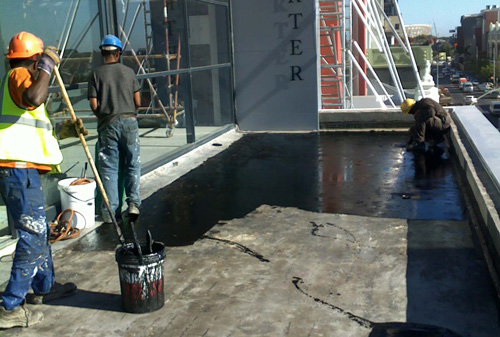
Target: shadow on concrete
91,300
410,330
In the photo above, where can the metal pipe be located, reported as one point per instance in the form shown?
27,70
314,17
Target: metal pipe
94,118
368,82
83,34
151,87
360,110
125,14
365,23
70,28
167,52
410,53
374,73
132,24
83,85
63,48
394,32
390,61
348,86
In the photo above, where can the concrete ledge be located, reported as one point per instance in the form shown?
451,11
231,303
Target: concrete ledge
484,138
480,137
365,118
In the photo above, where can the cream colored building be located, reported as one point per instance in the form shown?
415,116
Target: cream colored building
416,30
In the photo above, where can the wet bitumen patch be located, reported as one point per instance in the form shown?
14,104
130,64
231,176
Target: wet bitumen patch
367,173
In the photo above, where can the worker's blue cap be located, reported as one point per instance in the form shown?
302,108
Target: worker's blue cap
110,42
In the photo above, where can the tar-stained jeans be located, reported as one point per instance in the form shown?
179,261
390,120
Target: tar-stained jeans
120,137
22,193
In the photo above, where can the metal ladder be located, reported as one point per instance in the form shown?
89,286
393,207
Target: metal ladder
173,81
332,30
148,34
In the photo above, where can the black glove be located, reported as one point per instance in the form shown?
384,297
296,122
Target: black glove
417,147
49,59
70,128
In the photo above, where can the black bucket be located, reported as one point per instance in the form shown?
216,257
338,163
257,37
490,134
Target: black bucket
141,284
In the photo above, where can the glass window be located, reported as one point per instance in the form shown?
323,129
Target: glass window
208,34
211,98
71,26
158,36
154,41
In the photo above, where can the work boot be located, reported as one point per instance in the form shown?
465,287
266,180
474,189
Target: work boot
106,218
19,316
133,209
57,291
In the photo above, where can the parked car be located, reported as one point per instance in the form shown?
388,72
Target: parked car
486,86
493,94
468,87
470,100
495,107
475,82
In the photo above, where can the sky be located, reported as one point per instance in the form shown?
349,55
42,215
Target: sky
444,14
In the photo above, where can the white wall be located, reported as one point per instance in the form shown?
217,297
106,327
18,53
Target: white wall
276,70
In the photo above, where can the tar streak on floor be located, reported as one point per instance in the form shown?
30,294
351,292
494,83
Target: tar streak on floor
390,329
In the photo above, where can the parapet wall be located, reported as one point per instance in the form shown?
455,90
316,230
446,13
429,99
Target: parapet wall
363,118
475,142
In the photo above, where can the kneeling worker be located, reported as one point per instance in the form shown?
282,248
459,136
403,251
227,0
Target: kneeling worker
432,122
28,148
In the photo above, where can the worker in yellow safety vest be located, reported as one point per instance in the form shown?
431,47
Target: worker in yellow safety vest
28,148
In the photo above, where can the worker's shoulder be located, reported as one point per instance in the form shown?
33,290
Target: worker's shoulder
427,103
114,68
19,74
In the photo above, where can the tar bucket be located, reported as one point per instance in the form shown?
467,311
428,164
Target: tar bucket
141,284
79,198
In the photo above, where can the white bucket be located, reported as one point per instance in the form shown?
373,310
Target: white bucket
79,198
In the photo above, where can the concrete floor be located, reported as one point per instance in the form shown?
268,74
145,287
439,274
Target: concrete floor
330,234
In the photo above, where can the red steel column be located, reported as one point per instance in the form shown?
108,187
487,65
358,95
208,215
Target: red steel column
359,35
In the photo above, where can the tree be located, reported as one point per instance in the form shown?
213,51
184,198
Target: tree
487,70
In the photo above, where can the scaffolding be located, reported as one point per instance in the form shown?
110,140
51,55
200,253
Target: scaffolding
347,28
332,45
145,59
146,65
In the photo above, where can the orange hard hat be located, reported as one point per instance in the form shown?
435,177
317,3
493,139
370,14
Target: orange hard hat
24,45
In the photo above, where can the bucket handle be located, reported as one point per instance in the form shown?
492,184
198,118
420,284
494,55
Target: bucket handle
71,195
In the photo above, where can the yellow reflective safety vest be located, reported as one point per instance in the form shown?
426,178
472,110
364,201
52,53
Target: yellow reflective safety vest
26,135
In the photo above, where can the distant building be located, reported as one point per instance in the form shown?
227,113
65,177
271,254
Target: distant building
472,38
493,40
392,15
417,30
491,18
473,35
